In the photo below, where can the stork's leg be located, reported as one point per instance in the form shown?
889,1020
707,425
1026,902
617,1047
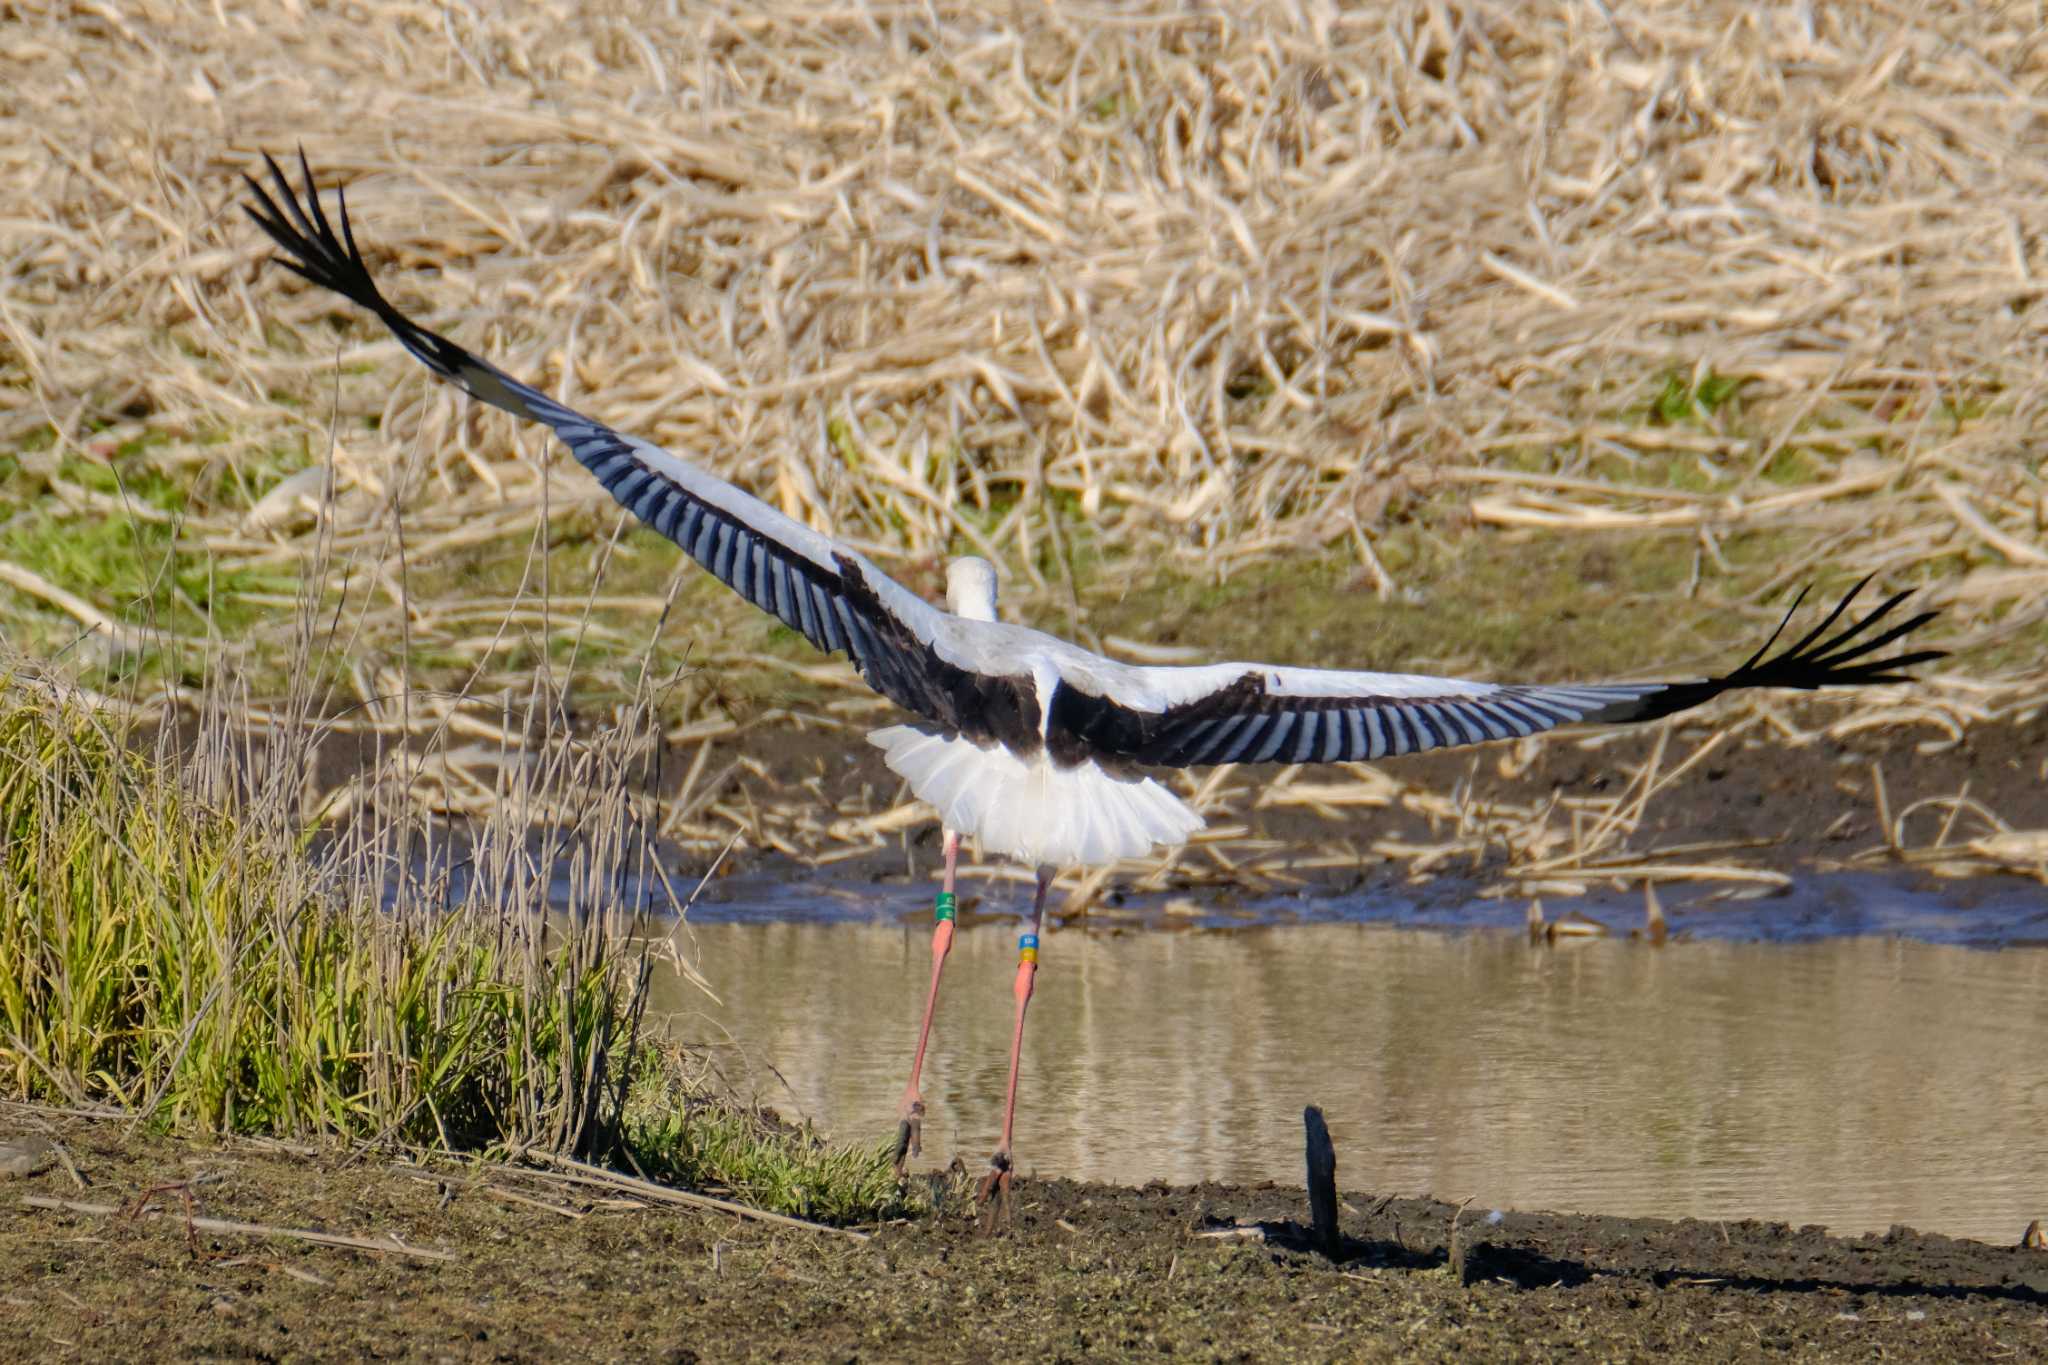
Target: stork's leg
910,1117
994,1193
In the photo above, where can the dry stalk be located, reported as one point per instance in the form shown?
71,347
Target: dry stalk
1228,284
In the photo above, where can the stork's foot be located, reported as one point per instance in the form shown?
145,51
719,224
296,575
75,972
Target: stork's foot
909,1136
993,1194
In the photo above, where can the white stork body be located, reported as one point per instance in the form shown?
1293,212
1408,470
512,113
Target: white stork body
1033,810
1032,745
1029,802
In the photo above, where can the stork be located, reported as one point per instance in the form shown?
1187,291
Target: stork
1036,747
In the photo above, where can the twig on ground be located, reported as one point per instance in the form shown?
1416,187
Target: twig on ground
568,1168
226,1226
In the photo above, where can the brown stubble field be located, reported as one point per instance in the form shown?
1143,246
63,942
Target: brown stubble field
1537,340
1528,340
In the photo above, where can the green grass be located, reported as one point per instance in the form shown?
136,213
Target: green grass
171,945
130,551
1684,399
681,1129
187,959
1501,603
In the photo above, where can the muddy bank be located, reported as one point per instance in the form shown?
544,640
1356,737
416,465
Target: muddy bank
1085,1272
1802,806
1807,814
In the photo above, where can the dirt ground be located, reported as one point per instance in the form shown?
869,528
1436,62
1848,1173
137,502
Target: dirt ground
1084,1272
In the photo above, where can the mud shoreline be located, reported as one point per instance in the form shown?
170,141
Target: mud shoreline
1801,810
537,1269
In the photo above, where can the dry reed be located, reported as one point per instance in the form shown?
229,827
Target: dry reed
1221,287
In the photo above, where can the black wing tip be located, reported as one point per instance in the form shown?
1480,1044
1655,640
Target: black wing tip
314,251
1814,662
296,221
1841,659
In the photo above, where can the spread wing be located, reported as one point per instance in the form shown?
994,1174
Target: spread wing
909,650
833,595
1255,713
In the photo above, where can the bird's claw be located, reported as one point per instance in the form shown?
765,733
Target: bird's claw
909,1139
993,1194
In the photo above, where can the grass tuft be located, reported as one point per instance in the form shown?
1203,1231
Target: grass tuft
175,944
683,1127
186,958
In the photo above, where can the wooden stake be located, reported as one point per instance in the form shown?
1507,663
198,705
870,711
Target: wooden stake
1322,1181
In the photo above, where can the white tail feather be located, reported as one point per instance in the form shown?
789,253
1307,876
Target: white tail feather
1029,808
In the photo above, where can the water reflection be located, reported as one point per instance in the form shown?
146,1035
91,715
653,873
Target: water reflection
1852,1082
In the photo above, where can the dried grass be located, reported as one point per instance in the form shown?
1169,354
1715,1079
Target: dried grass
1229,285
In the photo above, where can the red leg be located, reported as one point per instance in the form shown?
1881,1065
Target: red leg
910,1116
996,1184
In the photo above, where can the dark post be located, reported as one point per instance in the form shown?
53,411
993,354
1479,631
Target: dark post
1322,1181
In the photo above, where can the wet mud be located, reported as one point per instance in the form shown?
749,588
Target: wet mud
1083,1272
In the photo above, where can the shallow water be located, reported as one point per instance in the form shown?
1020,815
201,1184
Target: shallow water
1855,1082
1986,913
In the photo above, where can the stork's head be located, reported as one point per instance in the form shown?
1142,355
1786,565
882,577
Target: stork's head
971,588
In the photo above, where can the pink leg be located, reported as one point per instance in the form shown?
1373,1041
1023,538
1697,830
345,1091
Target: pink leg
996,1184
910,1115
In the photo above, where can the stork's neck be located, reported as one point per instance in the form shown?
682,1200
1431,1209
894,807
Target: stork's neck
971,588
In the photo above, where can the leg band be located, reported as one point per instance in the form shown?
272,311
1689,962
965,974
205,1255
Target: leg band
943,907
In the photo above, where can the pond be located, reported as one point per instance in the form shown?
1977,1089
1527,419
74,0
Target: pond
1846,1079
